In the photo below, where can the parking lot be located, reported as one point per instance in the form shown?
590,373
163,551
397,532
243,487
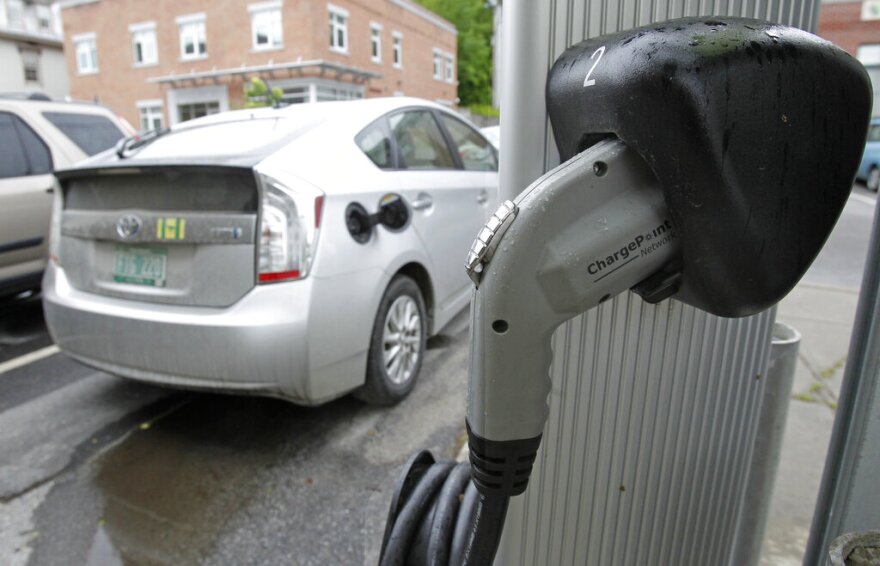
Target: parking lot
100,470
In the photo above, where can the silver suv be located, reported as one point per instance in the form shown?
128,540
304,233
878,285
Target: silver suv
301,253
37,136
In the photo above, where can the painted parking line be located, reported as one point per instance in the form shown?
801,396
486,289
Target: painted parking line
29,358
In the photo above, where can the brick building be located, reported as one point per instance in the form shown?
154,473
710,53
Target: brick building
159,62
855,27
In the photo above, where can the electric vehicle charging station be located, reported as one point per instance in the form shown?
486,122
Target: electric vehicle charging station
653,408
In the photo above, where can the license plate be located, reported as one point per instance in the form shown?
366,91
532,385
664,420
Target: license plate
140,265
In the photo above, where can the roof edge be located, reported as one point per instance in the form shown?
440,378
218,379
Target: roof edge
427,15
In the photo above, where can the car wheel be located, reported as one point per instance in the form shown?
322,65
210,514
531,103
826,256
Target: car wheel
873,182
397,346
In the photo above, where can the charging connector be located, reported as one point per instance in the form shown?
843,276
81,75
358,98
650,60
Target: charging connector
592,228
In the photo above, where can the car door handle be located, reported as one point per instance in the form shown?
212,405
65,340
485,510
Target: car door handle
483,197
424,201
50,190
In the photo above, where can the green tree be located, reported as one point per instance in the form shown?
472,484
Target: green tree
473,19
257,94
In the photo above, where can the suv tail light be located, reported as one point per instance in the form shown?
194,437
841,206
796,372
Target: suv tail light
290,218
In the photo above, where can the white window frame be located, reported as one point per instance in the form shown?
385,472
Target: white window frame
376,41
438,64
397,49
271,10
88,41
312,86
870,10
868,54
195,95
449,67
30,58
150,106
336,13
186,24
44,12
144,33
20,23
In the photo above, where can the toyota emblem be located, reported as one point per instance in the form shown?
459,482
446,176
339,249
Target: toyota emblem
129,226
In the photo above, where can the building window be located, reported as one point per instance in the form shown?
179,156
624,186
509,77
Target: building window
338,28
299,91
295,94
150,115
86,53
376,43
339,92
266,25
30,60
197,110
868,54
192,36
15,13
44,18
871,10
143,43
450,68
438,65
397,49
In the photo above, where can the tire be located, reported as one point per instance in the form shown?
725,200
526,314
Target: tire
873,181
395,357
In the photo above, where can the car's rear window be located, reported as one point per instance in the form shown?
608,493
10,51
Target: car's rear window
90,132
240,139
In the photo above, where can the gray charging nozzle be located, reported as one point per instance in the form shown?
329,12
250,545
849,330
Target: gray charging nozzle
593,227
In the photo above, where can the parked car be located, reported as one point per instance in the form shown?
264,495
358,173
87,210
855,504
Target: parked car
869,170
38,135
302,252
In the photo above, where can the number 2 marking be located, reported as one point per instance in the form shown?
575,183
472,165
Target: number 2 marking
601,51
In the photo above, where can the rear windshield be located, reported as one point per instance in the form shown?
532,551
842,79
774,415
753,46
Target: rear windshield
90,132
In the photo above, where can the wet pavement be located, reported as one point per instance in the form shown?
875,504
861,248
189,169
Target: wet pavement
122,473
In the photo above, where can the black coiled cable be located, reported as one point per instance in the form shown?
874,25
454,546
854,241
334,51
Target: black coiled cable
438,518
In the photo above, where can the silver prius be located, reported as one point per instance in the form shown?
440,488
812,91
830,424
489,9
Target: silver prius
303,252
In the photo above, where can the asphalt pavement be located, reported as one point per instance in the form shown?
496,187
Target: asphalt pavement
98,470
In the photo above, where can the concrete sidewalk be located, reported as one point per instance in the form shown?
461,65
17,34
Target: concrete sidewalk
824,317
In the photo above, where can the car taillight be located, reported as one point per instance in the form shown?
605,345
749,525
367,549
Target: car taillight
55,226
290,220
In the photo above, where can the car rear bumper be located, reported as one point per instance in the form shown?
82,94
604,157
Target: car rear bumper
259,345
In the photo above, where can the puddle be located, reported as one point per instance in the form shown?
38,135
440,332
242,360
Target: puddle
171,486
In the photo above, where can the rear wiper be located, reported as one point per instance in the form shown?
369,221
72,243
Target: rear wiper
127,146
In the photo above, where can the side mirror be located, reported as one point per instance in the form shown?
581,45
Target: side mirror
754,131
